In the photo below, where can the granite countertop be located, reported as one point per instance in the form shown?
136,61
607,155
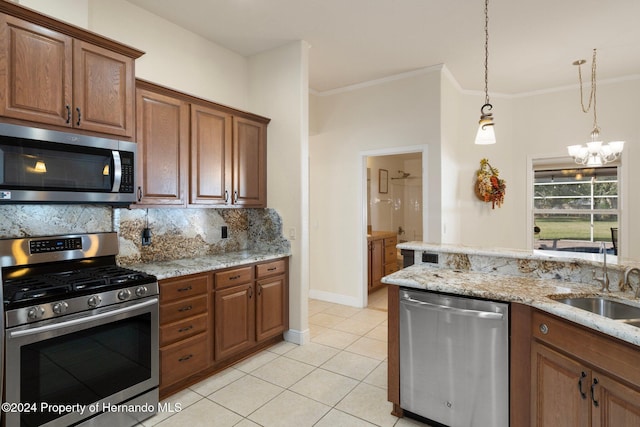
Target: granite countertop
534,292
182,267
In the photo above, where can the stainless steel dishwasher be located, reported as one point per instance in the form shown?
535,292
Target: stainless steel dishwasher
454,359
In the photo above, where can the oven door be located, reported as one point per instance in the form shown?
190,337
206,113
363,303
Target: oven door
83,363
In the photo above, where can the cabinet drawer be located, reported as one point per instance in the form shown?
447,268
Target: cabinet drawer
180,360
233,277
605,353
182,329
390,254
391,241
182,309
186,287
270,268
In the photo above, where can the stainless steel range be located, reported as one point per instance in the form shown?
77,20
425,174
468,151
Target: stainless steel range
80,333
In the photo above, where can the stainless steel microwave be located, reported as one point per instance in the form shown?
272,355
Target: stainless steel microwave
45,166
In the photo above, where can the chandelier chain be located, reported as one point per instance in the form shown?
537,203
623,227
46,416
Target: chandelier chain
486,51
592,94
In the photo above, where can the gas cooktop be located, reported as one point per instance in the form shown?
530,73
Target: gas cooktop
53,276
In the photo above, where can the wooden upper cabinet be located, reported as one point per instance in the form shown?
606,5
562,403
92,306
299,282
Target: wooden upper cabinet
249,163
103,89
198,153
37,64
163,138
52,73
210,156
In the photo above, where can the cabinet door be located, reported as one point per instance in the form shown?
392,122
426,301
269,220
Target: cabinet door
163,138
617,404
249,163
376,263
103,90
271,307
210,156
36,82
560,390
234,320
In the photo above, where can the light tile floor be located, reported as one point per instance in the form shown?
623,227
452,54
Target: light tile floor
338,379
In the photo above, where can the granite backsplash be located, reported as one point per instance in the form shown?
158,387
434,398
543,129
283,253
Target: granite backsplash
176,233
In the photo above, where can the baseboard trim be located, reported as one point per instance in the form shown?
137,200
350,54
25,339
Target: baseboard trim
297,337
335,298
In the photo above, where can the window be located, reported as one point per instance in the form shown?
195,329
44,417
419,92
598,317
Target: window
574,209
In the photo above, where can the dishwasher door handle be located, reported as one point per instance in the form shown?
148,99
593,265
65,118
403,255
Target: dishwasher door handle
454,310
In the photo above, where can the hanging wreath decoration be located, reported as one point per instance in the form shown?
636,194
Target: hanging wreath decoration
489,186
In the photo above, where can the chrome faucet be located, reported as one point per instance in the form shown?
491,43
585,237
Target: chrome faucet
604,280
627,273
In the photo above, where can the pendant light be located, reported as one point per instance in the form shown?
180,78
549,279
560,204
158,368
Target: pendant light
595,152
486,134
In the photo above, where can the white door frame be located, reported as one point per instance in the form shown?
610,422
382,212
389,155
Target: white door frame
363,296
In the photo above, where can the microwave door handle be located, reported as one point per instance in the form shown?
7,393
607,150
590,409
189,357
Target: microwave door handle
117,171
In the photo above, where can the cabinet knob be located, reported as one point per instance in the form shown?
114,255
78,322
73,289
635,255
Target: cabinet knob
544,328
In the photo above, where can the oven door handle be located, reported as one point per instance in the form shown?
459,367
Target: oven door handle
57,326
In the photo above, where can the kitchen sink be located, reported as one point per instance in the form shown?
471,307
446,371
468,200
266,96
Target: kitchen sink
605,307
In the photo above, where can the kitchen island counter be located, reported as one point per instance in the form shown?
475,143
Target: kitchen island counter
532,291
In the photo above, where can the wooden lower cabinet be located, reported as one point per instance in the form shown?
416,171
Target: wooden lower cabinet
383,259
561,389
581,378
234,325
209,321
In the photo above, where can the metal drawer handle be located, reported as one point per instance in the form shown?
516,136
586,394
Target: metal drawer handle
79,116
185,358
188,328
188,288
187,308
234,277
68,114
583,375
593,396
272,269
544,328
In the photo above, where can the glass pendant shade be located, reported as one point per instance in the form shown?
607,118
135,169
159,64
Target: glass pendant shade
486,135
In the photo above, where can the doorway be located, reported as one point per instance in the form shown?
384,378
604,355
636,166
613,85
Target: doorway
394,208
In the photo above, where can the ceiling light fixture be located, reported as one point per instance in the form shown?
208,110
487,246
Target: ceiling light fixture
595,152
486,134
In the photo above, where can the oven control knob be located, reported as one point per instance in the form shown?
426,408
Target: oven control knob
35,312
94,301
124,294
60,307
141,291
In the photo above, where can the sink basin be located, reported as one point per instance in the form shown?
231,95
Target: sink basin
606,307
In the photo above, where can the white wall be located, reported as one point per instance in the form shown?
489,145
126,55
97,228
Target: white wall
278,86
348,126
175,57
74,12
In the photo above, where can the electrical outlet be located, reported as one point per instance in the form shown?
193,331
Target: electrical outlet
224,232
146,237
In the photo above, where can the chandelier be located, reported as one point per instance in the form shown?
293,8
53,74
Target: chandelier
595,152
486,134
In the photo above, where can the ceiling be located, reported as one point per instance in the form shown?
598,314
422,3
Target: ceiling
532,44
